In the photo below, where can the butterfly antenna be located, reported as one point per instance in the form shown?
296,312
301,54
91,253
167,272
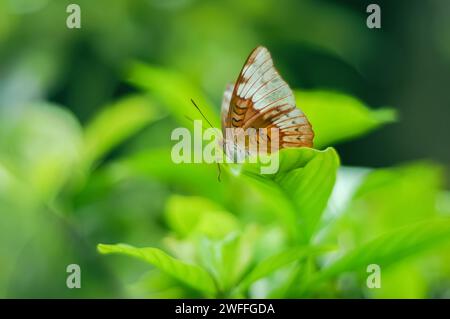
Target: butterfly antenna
201,113
191,120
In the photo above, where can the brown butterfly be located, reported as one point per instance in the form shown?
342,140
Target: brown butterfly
262,99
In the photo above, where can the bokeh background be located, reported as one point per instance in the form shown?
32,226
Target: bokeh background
54,81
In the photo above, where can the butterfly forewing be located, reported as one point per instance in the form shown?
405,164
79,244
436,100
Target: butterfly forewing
262,99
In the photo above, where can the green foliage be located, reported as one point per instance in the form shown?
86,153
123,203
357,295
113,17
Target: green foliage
305,180
40,155
386,200
391,247
250,235
85,154
191,275
116,123
197,215
271,264
235,253
157,165
337,117
174,91
228,258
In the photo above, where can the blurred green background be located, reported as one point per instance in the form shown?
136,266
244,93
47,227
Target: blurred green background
86,116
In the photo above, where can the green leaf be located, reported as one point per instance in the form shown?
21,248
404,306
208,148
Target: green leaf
116,123
337,117
387,199
305,178
299,169
275,262
157,164
229,258
396,285
391,247
192,275
196,215
394,197
175,91
158,285
40,144
443,202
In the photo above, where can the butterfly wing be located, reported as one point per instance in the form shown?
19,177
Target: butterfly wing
262,99
226,99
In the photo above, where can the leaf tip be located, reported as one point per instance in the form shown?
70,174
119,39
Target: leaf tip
386,115
103,248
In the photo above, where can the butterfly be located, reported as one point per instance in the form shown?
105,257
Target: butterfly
260,98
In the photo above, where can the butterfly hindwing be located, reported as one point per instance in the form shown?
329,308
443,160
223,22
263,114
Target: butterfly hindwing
226,99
